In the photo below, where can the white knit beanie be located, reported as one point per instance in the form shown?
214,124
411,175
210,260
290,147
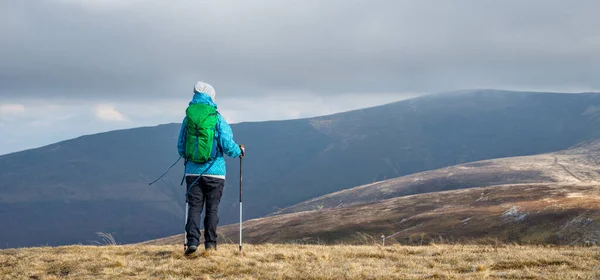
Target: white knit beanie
205,88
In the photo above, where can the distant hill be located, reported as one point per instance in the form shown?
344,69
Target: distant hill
580,164
545,199
65,192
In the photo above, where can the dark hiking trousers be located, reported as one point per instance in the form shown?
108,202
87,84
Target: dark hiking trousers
206,191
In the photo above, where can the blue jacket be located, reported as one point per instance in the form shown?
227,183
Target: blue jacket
215,167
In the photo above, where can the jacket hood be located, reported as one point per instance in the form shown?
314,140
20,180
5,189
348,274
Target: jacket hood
202,98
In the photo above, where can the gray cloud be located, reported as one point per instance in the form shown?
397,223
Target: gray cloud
73,67
108,49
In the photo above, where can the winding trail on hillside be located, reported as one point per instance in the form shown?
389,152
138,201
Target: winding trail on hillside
566,169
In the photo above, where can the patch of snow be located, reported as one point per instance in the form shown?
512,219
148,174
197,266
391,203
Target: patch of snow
481,198
513,213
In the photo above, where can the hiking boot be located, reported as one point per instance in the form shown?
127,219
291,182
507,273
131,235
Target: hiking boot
210,247
191,249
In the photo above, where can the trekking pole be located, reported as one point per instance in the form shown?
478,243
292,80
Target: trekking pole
187,208
241,202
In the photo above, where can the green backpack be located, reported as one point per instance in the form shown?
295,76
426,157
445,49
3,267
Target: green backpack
200,129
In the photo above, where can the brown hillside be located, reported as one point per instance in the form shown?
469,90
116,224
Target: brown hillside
526,213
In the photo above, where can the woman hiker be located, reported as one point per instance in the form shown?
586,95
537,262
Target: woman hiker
204,139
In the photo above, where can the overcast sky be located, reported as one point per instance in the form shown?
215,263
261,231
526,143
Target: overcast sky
71,67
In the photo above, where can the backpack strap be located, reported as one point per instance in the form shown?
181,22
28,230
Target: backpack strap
218,132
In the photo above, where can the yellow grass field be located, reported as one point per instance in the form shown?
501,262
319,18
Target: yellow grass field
302,262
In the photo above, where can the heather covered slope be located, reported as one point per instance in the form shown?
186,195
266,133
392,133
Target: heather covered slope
522,213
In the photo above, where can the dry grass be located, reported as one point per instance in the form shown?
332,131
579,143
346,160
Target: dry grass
303,262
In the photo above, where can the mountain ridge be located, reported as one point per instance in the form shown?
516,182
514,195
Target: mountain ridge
104,175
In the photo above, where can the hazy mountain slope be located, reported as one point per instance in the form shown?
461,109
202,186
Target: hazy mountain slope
66,192
552,198
579,164
99,182
442,130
